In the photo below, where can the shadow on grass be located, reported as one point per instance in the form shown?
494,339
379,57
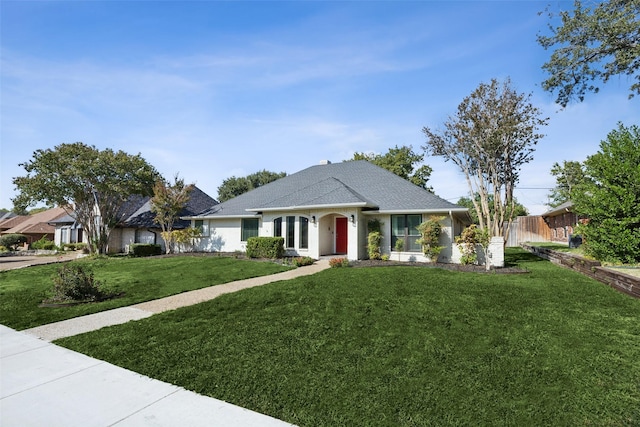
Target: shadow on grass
514,256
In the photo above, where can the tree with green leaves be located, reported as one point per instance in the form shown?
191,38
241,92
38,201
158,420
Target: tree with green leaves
568,175
519,209
490,137
94,184
402,161
592,44
235,186
609,198
167,202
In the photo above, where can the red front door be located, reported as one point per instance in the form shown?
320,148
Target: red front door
341,235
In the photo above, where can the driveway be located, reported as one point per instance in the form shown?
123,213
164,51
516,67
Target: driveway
11,262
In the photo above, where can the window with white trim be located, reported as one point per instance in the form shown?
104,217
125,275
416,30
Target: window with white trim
405,227
249,228
277,227
303,232
291,232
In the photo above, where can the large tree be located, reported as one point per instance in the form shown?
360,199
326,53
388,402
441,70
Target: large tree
167,202
93,183
235,186
568,176
609,198
402,161
519,209
490,137
592,44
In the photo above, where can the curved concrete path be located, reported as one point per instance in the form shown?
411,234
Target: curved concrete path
91,322
42,384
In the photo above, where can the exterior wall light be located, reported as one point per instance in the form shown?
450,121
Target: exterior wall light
352,218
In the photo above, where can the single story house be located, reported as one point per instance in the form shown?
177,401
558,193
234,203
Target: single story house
324,210
67,230
35,226
136,223
561,221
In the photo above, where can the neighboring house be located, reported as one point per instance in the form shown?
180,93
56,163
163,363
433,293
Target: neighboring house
561,221
35,226
10,220
67,230
324,210
137,223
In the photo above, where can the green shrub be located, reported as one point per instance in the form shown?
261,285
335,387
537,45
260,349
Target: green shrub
302,261
69,246
374,225
373,244
338,262
145,249
467,242
430,232
12,241
82,247
265,247
75,282
43,244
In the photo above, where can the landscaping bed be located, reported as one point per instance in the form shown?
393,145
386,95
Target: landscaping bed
445,266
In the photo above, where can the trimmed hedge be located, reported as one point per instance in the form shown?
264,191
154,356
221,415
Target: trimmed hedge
145,249
265,247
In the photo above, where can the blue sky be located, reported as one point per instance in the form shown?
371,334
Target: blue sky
212,89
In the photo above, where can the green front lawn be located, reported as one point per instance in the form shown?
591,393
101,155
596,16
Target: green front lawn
140,279
402,346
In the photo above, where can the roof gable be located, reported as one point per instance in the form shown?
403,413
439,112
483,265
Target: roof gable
330,191
136,213
351,183
37,223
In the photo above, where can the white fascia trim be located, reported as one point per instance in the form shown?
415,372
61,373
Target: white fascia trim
220,216
410,211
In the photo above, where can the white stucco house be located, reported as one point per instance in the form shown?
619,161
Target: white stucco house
324,211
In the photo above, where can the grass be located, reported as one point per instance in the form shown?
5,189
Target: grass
402,346
141,279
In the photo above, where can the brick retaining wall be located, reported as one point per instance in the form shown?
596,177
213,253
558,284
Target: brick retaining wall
622,282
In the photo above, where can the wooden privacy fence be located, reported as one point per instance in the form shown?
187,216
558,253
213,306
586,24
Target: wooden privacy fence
528,229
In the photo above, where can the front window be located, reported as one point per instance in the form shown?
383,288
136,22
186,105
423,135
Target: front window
203,226
249,228
291,231
277,227
405,227
64,235
304,233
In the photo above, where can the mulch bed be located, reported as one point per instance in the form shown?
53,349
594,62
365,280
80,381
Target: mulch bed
452,267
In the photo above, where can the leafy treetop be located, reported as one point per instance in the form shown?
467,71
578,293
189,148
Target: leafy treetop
93,183
402,161
235,186
592,44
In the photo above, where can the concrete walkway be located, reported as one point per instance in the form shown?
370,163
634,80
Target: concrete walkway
42,384
91,322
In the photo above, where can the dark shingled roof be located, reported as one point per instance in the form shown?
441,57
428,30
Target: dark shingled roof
349,184
136,213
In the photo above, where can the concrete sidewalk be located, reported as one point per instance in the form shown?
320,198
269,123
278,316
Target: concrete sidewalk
42,384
